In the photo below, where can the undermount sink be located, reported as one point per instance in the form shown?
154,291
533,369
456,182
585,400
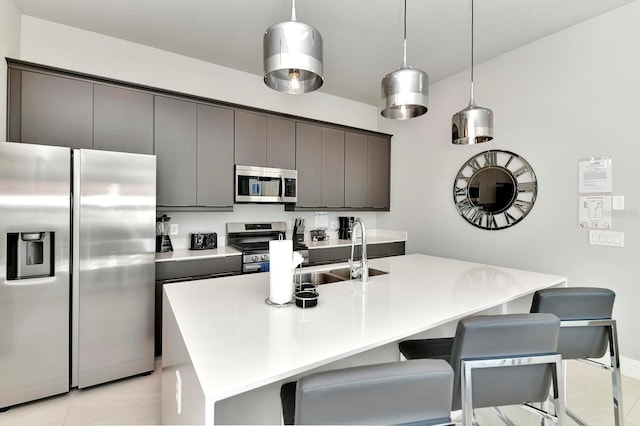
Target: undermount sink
332,276
345,273
317,278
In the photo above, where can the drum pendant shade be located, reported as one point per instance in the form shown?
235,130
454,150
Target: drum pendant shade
405,91
292,56
473,124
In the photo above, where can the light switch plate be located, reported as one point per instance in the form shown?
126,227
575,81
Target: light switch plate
606,238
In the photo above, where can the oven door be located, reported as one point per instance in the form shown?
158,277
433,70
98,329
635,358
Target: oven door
250,268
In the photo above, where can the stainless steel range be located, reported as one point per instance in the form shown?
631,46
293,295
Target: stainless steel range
253,240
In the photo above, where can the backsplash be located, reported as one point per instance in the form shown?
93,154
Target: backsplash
189,222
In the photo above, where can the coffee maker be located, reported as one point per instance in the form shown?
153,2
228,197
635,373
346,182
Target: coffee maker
346,226
163,242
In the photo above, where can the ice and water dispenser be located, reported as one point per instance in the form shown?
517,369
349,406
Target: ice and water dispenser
30,255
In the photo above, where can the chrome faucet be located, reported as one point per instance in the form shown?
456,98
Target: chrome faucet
363,270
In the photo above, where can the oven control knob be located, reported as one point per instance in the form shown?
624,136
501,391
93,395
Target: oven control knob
255,258
265,257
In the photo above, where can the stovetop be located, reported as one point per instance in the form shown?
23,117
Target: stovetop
263,246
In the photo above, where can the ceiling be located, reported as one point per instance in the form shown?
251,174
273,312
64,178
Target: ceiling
362,38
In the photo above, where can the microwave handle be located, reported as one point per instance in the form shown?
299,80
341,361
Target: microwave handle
282,186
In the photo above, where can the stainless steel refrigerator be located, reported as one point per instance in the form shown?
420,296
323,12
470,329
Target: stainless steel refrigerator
77,268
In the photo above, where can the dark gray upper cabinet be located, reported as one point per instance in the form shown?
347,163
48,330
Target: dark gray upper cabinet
261,140
355,173
332,168
175,149
308,164
281,143
378,172
250,139
214,186
56,111
123,120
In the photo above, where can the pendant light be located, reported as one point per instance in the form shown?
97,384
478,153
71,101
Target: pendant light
473,124
405,91
292,56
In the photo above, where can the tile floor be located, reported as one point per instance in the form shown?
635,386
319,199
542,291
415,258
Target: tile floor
136,401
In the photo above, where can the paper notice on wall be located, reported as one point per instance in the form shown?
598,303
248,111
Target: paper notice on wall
594,175
594,211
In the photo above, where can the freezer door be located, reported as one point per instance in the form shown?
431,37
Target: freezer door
34,311
114,254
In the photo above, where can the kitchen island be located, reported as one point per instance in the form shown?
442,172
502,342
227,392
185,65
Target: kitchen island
226,352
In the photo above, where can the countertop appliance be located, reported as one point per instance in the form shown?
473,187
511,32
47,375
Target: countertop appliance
163,240
265,185
253,240
346,227
78,231
204,241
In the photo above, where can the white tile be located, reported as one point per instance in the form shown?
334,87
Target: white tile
46,412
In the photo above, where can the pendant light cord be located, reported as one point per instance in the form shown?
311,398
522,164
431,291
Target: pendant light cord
293,10
471,100
404,54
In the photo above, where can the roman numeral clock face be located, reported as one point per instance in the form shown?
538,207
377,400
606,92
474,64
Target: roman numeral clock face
495,189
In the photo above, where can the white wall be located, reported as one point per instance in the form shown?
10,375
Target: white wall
569,96
48,43
74,49
9,47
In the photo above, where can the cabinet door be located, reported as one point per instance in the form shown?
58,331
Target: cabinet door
175,149
332,167
56,111
355,172
123,120
214,185
308,163
379,157
281,143
250,139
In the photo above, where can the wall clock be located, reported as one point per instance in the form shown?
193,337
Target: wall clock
495,189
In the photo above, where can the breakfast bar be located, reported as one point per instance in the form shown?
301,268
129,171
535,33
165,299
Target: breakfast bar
226,352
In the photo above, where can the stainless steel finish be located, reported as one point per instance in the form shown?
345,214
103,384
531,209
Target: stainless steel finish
331,276
473,124
554,360
363,270
292,56
255,228
405,91
613,368
34,312
115,292
345,273
265,172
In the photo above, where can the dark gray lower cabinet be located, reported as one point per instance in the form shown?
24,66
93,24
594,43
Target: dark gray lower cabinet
187,270
123,120
321,256
54,110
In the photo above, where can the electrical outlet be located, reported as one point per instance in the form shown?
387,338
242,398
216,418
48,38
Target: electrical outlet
173,230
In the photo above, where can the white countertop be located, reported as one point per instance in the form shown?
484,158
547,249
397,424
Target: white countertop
237,343
375,236
186,254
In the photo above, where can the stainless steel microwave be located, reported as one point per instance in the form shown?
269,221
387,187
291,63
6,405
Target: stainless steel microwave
265,185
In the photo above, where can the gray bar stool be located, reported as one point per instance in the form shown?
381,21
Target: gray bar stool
500,360
586,330
416,392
